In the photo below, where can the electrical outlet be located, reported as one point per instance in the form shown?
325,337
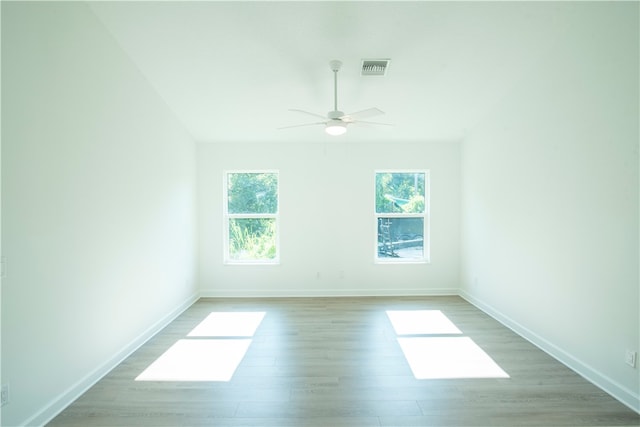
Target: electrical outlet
630,358
4,395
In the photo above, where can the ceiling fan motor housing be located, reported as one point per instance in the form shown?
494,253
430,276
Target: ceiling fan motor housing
335,115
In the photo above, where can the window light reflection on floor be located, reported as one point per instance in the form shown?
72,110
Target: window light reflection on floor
448,357
421,322
208,353
228,324
198,360
434,349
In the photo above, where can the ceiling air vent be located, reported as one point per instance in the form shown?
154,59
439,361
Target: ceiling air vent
375,67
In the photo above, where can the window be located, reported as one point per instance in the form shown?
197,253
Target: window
402,218
251,217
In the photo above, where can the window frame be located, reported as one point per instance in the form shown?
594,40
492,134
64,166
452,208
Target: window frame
226,217
426,231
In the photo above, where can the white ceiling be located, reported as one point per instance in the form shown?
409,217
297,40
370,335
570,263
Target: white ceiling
231,70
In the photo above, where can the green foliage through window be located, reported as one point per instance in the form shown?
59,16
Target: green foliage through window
252,239
252,193
400,192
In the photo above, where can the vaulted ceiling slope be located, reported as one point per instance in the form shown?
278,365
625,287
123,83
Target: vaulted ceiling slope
231,70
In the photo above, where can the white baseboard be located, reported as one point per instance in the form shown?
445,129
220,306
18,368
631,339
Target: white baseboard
310,293
57,405
615,389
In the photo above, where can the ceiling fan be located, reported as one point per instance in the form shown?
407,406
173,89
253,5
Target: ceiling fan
335,122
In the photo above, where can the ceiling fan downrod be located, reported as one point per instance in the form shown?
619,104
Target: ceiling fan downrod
335,67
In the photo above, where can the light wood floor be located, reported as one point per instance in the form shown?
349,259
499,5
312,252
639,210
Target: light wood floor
337,362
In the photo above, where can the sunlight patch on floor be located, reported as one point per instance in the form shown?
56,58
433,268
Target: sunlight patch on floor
434,348
421,322
228,324
212,351
198,360
448,357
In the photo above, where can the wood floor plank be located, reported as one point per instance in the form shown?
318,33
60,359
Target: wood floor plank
338,362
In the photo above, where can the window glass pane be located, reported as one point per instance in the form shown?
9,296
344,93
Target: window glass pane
400,192
252,193
252,238
401,238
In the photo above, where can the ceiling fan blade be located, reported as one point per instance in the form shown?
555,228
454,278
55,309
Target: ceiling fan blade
306,124
309,113
357,122
364,114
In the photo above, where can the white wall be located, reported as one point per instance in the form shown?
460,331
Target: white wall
1,379
550,200
327,224
98,207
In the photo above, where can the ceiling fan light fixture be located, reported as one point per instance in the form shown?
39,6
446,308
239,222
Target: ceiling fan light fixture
336,128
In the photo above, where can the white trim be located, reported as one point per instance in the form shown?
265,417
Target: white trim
299,293
57,405
615,389
399,261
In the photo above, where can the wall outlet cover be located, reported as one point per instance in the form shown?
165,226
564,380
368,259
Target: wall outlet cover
4,395
630,358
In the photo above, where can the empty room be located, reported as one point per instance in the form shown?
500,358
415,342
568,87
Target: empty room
320,213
